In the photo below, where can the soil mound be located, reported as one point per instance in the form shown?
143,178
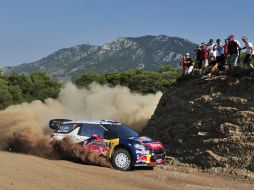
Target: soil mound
209,123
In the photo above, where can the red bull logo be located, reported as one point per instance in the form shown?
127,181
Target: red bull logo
142,158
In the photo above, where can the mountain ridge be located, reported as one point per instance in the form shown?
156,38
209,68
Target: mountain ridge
145,52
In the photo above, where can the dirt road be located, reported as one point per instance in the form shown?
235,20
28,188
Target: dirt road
25,172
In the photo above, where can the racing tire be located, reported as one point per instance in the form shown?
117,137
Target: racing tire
121,160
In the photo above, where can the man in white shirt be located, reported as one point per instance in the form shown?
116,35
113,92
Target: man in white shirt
249,52
211,48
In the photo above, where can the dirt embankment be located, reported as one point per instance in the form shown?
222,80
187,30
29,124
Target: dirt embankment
209,123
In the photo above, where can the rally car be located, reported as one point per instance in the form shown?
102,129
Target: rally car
120,144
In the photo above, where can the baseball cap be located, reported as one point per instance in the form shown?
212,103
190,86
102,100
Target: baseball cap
244,38
232,36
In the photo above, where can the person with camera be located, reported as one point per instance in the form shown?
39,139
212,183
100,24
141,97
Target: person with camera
249,52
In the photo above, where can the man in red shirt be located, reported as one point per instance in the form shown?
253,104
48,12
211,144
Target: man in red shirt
204,55
186,62
226,52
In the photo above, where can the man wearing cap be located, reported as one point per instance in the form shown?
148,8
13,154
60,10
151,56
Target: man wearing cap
211,48
249,51
234,49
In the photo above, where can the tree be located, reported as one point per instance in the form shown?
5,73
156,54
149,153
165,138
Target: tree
89,77
43,86
5,96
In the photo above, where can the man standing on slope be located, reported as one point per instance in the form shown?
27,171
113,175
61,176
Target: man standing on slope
187,64
249,52
220,55
234,49
204,55
211,48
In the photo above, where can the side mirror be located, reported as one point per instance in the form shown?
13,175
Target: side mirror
95,136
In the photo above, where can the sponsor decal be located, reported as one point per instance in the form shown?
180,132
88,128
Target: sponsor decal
142,152
142,139
99,146
141,158
154,145
98,149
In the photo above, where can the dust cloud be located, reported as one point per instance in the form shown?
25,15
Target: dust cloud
24,128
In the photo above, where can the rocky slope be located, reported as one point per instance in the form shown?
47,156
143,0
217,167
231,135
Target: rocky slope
147,52
209,123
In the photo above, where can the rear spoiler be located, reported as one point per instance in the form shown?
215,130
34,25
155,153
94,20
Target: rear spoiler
56,123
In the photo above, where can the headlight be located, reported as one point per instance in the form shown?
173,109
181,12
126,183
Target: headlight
139,146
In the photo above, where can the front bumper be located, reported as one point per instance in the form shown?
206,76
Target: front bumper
150,157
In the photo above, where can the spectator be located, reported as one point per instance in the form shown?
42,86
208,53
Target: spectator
211,48
249,52
198,53
234,48
226,52
220,55
212,69
213,65
187,64
204,54
184,65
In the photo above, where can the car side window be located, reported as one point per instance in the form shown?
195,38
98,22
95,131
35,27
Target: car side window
99,131
90,129
86,130
66,128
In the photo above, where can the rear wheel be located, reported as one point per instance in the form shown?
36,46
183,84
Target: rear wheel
121,159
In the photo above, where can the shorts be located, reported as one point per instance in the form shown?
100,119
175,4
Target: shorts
247,59
212,63
185,70
221,62
190,69
233,59
205,63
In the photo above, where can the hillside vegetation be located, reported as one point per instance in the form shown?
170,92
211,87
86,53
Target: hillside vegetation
136,80
17,88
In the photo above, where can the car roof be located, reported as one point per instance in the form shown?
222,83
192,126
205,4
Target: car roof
108,122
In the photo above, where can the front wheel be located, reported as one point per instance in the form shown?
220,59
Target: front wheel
121,159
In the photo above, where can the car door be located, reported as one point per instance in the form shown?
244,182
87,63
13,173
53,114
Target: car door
97,141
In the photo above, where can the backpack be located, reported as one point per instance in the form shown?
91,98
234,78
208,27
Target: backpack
233,47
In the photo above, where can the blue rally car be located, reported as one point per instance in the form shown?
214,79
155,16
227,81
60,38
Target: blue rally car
113,140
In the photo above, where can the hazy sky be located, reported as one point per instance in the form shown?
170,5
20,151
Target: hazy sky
32,29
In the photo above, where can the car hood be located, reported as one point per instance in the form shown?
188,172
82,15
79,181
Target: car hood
147,141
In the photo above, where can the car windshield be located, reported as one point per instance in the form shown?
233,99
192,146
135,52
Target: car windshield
120,131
